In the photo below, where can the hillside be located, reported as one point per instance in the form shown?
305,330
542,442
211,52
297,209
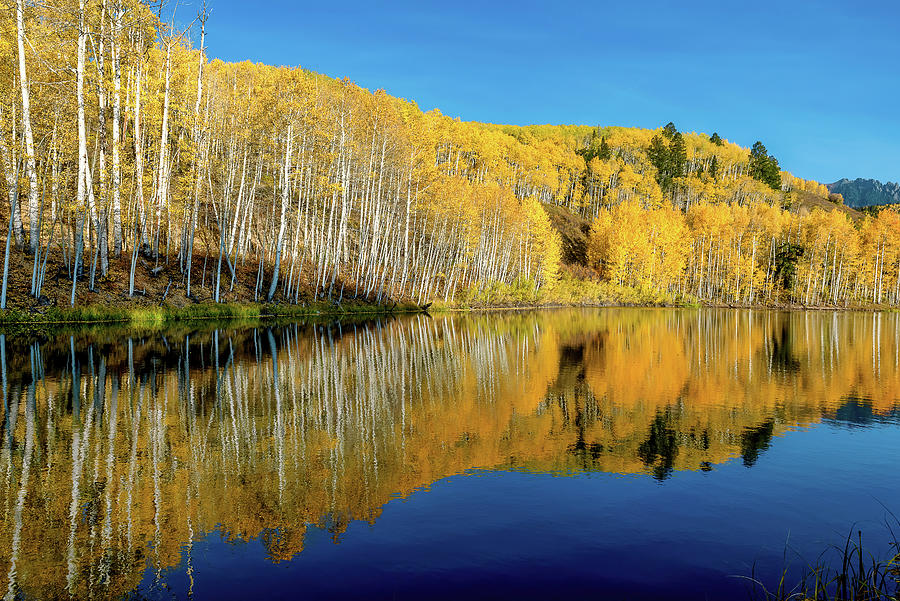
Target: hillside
159,176
866,192
805,203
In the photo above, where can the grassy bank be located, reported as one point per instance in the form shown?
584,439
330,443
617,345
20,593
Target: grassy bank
846,572
498,297
161,315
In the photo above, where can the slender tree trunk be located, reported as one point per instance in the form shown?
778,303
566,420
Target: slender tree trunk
82,148
30,168
103,211
285,200
9,235
197,152
116,127
140,208
162,182
10,171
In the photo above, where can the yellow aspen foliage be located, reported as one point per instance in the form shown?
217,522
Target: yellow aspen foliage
296,184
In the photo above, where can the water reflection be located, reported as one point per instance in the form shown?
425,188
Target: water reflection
122,448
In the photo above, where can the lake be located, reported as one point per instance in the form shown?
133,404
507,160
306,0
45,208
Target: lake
596,453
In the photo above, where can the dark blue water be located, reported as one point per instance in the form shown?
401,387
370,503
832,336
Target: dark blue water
514,534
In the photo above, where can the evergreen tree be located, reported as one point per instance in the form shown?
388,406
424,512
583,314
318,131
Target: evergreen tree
715,139
669,130
764,167
772,173
593,148
605,153
658,154
786,259
714,167
677,156
758,158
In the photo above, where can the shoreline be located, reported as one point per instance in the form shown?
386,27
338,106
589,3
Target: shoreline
99,315
164,314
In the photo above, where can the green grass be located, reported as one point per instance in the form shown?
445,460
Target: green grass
853,574
148,316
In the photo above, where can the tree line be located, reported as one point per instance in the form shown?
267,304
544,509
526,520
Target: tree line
750,254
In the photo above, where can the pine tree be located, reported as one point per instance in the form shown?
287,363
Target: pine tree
658,154
715,139
758,158
764,167
772,173
605,153
669,130
677,156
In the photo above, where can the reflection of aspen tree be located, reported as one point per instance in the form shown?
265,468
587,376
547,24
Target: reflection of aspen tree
261,433
23,486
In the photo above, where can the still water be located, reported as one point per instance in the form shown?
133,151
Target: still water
609,454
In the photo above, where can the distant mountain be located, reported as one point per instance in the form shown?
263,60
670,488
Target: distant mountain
866,192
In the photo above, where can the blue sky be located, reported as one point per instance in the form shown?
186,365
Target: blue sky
817,82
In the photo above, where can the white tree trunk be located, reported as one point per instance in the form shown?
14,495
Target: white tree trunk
30,168
82,148
116,127
285,200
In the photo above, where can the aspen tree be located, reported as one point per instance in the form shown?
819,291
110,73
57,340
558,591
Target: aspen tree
161,192
13,192
115,47
139,214
285,200
83,182
10,171
102,226
197,142
30,166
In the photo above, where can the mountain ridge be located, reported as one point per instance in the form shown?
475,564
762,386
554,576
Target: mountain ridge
862,192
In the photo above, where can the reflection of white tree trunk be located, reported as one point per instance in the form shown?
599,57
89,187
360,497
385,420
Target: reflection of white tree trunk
80,439
112,413
23,487
132,459
6,433
157,438
279,419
